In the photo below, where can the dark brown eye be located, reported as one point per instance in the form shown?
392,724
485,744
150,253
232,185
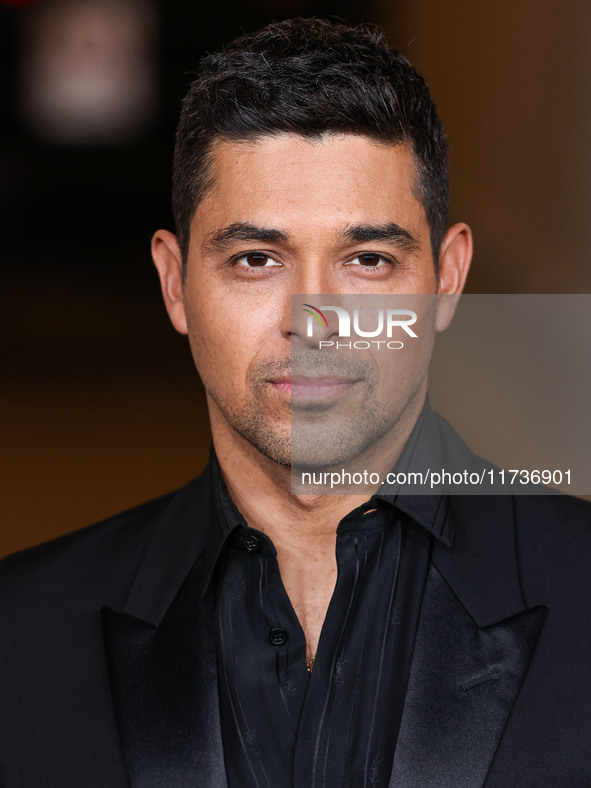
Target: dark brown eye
256,259
369,259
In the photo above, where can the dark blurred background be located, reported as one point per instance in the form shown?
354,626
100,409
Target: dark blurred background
101,406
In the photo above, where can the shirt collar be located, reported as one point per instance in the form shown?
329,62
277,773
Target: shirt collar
224,517
423,449
429,511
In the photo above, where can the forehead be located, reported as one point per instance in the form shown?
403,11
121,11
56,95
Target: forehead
291,181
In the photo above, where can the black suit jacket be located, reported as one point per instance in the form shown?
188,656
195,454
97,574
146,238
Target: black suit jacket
108,670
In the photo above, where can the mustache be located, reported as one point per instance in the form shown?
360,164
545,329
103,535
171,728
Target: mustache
312,363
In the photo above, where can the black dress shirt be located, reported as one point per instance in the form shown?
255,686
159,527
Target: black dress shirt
498,694
337,726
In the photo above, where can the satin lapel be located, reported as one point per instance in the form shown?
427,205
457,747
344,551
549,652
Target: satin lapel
462,686
164,686
161,656
474,641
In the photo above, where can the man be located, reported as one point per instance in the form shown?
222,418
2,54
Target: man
234,634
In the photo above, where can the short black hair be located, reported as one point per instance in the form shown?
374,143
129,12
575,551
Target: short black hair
309,77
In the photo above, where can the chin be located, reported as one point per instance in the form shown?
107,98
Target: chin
275,445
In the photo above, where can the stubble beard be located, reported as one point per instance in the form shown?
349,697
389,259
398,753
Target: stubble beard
252,423
313,438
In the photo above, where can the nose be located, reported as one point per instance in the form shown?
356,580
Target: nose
304,321
311,321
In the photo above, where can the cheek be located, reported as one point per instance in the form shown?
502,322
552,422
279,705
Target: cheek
213,347
224,345
401,372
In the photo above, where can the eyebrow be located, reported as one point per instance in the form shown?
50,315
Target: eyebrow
241,231
389,232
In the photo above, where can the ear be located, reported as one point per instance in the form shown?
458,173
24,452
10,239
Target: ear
454,262
168,261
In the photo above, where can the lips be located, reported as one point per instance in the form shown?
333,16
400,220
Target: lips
313,388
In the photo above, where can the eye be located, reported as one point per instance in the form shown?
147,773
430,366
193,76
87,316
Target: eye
369,260
256,260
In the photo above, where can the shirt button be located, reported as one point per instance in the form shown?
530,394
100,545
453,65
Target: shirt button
277,636
251,542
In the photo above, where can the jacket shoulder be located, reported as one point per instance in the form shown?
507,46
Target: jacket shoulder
553,517
101,558
553,543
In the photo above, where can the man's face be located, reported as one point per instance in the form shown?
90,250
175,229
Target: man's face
287,216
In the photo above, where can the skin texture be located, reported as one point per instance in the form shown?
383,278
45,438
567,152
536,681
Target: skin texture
378,390
234,303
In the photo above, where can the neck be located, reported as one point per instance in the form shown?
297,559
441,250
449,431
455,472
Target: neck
301,527
261,488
